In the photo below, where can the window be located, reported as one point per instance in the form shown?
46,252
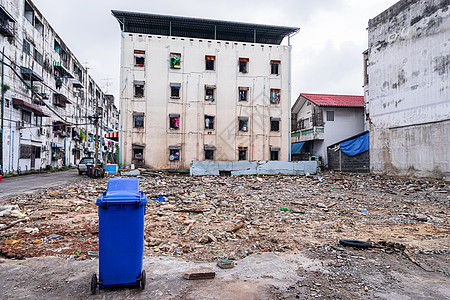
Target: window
209,62
174,152
209,92
139,58
38,120
330,115
38,57
63,55
37,153
242,153
174,121
275,124
209,152
243,123
275,67
175,60
138,120
274,153
29,13
243,65
243,93
38,25
26,116
139,89
274,96
57,47
209,122
175,90
26,47
25,151
138,154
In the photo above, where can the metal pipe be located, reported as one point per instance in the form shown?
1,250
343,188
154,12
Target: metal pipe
2,112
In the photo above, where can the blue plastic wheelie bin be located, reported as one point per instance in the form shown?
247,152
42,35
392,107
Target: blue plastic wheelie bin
121,211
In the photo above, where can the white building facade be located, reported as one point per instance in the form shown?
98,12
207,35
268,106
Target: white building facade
49,98
221,97
407,89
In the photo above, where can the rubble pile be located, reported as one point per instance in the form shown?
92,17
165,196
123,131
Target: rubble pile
209,218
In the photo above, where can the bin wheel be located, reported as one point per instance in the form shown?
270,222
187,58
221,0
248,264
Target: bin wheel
94,284
142,280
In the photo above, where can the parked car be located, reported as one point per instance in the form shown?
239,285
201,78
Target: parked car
82,166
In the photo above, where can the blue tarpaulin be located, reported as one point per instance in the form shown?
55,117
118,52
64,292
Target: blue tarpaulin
296,147
356,146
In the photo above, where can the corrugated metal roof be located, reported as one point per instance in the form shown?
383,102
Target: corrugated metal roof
145,23
335,100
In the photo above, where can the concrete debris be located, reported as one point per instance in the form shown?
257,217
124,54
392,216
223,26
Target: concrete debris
211,218
205,273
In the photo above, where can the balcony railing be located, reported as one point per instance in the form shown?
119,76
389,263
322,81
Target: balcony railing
6,28
310,134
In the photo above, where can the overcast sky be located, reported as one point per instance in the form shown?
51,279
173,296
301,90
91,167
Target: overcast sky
327,52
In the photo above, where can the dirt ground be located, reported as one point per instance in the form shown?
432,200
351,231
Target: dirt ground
297,220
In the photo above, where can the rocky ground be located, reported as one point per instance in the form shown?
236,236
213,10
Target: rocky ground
202,219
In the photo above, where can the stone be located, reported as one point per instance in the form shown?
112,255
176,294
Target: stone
197,274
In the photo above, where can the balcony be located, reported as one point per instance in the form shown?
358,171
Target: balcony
7,23
310,134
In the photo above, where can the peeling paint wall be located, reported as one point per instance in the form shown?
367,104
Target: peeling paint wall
408,89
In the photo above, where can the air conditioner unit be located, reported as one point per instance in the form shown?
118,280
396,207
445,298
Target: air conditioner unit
20,124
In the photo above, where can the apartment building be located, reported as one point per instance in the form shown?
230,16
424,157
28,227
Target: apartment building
195,89
407,89
49,103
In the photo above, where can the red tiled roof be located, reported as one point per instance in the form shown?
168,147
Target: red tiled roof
335,100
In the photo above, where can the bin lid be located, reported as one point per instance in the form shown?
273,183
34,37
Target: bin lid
122,191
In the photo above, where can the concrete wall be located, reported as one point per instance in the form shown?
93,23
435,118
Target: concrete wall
192,107
409,87
200,168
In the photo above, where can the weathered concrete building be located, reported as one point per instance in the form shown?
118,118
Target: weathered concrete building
407,89
195,90
320,120
49,98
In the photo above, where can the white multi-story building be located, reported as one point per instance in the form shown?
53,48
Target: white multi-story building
195,89
407,89
49,99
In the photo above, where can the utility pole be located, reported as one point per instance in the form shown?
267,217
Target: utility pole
96,129
3,111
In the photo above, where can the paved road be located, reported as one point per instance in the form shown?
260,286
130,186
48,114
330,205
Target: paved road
32,183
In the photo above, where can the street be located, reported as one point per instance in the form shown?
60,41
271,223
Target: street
35,182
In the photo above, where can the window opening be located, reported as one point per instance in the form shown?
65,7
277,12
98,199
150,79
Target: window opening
275,124
330,115
57,47
138,154
242,151
37,153
174,152
243,65
29,13
243,123
174,121
209,152
26,47
38,25
139,58
209,122
175,90
209,93
274,153
38,120
209,61
26,116
138,120
243,93
274,96
139,89
175,60
275,67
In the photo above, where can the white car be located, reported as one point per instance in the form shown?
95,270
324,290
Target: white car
82,166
